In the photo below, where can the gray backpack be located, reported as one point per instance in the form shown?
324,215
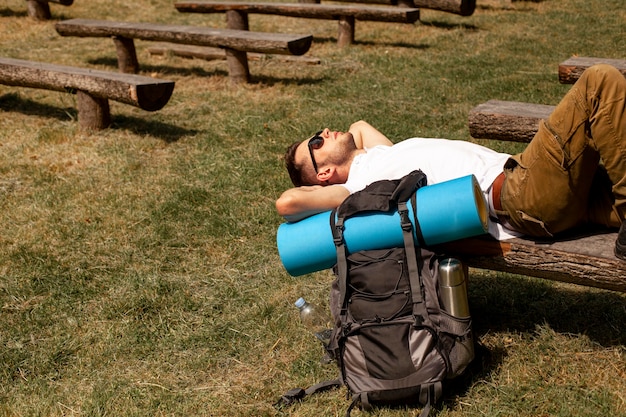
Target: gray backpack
393,341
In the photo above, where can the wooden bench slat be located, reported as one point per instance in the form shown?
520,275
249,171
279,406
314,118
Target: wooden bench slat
93,88
236,43
585,260
305,10
237,13
239,40
571,69
147,93
507,120
460,7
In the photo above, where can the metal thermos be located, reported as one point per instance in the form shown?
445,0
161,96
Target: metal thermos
453,287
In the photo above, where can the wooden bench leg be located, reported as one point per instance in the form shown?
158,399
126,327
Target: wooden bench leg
93,112
39,10
237,66
126,55
236,19
345,36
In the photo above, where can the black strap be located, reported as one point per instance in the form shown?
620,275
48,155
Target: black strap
419,305
429,394
336,226
297,394
418,228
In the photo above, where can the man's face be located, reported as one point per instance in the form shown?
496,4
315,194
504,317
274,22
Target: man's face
323,149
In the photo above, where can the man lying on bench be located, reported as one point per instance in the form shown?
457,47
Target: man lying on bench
555,184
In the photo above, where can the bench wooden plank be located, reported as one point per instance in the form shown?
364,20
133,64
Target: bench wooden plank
93,87
235,42
460,7
210,53
305,10
571,69
245,41
237,13
584,260
507,120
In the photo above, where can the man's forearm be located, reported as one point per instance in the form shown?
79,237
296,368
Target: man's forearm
367,136
300,202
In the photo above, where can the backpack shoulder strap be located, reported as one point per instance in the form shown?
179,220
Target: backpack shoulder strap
336,226
420,312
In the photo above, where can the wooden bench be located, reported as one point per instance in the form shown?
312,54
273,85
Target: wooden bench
237,13
571,69
507,120
584,257
92,88
40,9
460,7
236,43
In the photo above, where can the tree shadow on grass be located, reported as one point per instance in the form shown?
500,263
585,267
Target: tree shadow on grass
450,26
196,71
5,12
333,41
12,102
164,131
162,70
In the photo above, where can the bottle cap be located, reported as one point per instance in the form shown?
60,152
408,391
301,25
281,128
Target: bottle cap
300,302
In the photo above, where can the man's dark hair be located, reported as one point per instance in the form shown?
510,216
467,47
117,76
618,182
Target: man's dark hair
295,171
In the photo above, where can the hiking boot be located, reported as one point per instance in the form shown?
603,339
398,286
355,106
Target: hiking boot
620,243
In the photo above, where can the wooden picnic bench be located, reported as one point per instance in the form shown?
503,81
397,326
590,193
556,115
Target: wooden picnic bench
236,43
93,88
581,257
513,121
237,13
40,9
460,7
571,69
584,259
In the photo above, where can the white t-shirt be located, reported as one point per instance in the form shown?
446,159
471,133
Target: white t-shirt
440,159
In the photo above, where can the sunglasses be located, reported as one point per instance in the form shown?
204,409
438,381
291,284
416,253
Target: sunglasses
315,142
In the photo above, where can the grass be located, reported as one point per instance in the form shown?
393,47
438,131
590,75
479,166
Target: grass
138,269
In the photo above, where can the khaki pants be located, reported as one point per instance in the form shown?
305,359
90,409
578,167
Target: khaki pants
574,170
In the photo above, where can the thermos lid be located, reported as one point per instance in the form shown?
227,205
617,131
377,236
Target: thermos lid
451,272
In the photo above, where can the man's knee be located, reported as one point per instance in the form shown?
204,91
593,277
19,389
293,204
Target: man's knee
604,72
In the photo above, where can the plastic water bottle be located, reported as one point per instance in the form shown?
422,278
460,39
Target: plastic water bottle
315,320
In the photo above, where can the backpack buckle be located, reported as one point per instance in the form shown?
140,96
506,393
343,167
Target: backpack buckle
405,220
338,232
